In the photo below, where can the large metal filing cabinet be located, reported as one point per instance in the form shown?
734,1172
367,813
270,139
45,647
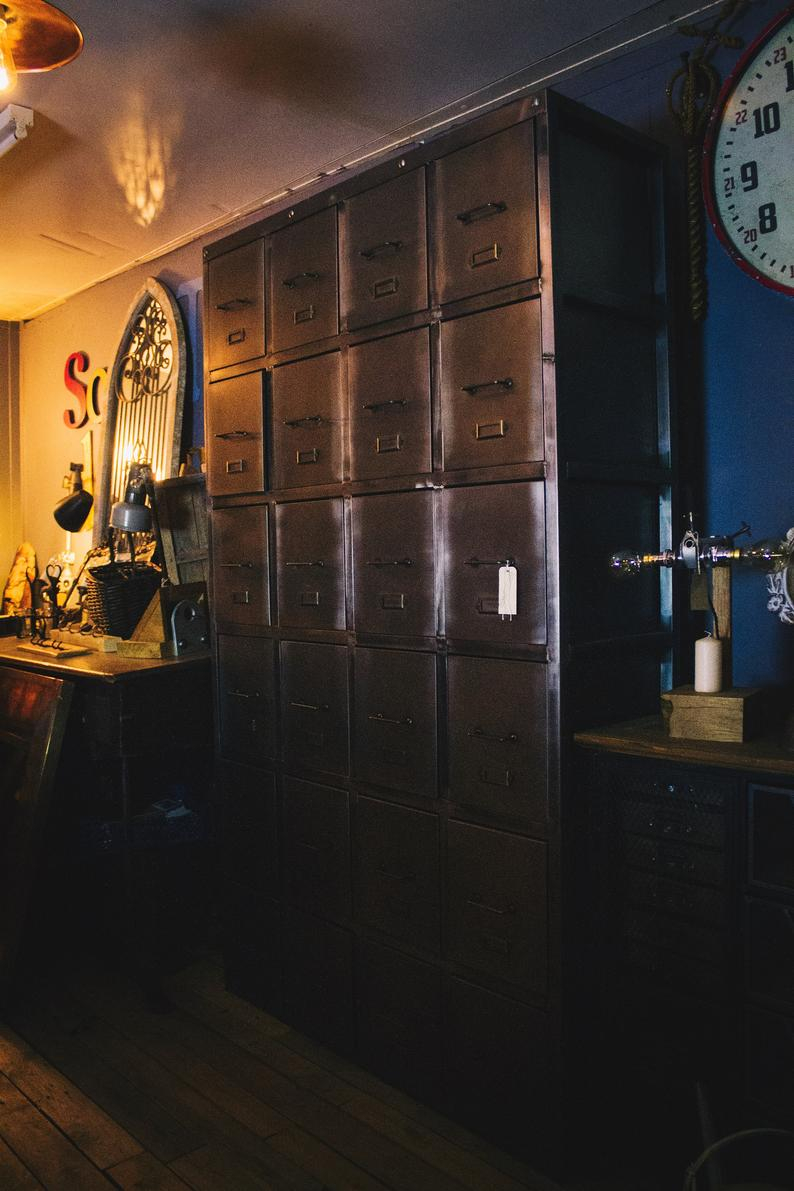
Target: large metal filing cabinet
465,363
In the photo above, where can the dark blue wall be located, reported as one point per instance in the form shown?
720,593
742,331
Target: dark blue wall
746,394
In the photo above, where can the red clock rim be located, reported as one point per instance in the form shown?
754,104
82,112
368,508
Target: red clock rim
707,163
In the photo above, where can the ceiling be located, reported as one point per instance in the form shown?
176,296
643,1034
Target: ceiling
181,115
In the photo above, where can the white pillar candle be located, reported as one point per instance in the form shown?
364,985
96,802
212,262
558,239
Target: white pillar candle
708,665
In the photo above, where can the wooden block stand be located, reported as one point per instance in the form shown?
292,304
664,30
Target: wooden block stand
734,715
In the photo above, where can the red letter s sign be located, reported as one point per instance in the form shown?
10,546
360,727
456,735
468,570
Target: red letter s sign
77,362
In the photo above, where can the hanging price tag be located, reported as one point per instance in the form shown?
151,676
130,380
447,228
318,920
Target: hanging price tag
508,590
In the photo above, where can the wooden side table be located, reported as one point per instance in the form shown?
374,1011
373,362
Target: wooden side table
131,826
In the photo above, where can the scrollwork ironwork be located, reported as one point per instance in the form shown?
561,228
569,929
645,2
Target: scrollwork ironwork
146,368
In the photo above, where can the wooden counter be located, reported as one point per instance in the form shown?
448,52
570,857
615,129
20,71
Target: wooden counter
105,667
647,738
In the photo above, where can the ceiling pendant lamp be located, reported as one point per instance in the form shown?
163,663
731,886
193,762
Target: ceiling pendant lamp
34,36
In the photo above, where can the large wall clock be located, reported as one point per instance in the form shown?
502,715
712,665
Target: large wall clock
748,158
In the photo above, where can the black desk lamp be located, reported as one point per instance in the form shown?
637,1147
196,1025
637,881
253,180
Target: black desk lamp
72,511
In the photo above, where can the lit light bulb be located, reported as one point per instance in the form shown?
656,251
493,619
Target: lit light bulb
8,70
625,564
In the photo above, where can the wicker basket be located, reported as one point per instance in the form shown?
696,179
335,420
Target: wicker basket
118,594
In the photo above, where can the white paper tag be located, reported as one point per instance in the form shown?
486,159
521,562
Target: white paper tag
508,591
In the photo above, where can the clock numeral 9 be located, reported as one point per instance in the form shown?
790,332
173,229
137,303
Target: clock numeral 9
767,119
767,218
749,175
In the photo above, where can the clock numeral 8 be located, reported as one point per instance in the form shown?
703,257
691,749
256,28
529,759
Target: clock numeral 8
767,218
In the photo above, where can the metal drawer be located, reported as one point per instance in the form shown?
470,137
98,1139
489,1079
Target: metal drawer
246,699
675,860
235,436
390,406
240,572
394,564
399,1018
679,822
384,251
496,907
311,572
252,947
316,848
484,526
318,979
236,305
396,872
652,892
492,387
771,951
497,736
498,1063
250,829
302,282
308,421
395,720
485,225
314,706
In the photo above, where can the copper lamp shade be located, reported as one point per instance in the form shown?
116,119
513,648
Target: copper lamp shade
39,36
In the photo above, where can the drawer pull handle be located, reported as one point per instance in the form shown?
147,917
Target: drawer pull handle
234,304
241,597
390,562
479,734
387,248
316,562
505,383
301,706
309,456
385,443
376,405
395,876
235,565
235,467
236,336
298,279
486,211
474,561
309,420
405,722
491,909
231,435
244,694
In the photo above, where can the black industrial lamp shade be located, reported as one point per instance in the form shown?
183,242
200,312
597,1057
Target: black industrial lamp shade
72,511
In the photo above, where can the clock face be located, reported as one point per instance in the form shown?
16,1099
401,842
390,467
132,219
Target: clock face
749,158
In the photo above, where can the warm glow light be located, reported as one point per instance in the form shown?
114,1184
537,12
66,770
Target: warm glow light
8,71
141,156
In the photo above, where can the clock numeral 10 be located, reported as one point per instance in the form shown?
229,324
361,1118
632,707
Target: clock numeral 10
767,119
790,75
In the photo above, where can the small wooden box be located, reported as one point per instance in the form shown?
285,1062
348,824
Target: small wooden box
733,715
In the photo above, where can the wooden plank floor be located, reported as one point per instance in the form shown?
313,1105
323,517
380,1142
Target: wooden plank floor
97,1090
